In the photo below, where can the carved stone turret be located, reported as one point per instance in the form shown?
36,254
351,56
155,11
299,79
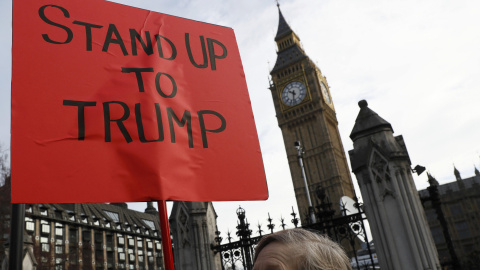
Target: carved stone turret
151,209
193,226
381,164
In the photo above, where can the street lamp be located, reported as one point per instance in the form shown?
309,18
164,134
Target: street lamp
418,169
299,148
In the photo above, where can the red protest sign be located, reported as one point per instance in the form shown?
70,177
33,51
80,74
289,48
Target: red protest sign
111,103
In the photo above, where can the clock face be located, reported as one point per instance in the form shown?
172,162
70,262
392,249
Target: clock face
325,93
293,93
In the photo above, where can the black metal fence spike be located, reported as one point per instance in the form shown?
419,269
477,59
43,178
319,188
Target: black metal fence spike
259,229
282,220
218,238
270,224
229,237
343,208
295,219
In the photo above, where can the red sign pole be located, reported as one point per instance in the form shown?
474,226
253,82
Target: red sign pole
165,230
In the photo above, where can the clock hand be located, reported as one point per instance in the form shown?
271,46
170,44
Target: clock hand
293,93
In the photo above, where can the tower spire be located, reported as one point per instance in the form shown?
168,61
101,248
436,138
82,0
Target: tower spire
432,180
457,173
283,27
289,48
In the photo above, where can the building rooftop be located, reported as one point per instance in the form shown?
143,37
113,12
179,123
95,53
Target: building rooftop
454,186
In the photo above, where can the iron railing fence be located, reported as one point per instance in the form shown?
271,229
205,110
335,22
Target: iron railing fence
347,229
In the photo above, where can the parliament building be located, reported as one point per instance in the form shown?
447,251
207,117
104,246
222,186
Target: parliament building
460,204
84,236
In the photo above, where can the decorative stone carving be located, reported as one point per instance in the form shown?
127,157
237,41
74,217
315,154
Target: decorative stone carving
193,226
397,219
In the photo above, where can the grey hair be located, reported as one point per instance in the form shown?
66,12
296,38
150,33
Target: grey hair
311,251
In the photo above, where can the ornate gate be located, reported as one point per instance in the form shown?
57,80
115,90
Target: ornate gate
348,230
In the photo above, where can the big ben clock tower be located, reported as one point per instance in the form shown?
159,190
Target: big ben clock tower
305,113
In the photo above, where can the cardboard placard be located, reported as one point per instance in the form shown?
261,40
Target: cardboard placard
116,104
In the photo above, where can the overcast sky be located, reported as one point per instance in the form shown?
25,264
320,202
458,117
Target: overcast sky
415,62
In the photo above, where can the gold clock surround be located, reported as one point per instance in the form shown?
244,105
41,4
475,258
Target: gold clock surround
283,84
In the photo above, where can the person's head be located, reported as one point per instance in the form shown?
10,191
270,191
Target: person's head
299,249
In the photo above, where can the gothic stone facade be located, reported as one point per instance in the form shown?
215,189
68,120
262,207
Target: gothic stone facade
460,203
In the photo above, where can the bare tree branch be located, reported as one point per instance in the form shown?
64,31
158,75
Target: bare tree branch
4,164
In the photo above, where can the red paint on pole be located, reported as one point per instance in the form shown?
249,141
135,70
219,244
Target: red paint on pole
165,230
